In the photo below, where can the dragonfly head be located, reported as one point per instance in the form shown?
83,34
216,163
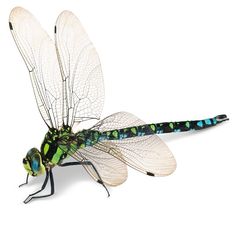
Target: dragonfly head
33,162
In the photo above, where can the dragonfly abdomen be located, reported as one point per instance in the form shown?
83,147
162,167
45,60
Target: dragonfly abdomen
160,128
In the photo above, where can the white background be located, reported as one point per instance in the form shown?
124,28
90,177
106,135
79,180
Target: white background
163,61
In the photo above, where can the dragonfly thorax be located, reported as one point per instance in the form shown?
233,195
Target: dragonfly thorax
53,149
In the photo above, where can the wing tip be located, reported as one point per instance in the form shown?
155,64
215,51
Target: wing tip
170,168
65,13
16,10
165,170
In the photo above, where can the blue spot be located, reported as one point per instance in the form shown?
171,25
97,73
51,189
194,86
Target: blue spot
88,142
35,165
214,121
101,138
177,130
159,131
208,121
123,135
200,123
140,133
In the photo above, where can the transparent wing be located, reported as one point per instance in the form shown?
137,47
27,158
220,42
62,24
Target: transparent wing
117,120
148,154
39,54
112,171
83,89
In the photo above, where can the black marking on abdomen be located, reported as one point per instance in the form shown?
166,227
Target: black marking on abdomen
10,25
55,29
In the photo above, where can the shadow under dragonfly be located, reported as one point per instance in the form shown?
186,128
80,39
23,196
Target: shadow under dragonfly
65,178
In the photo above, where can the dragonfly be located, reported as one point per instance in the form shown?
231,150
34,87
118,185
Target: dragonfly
67,81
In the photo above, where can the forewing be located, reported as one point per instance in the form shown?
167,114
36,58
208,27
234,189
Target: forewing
148,154
39,54
80,69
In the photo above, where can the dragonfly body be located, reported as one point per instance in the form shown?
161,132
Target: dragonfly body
53,150
67,81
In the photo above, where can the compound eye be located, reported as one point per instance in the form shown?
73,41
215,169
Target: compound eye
35,165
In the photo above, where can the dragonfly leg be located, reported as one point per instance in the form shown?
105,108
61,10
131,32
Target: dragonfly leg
100,179
94,168
26,181
48,175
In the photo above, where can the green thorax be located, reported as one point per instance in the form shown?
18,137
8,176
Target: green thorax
52,150
58,144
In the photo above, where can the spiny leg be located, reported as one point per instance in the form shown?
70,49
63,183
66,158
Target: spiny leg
94,168
48,175
26,181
